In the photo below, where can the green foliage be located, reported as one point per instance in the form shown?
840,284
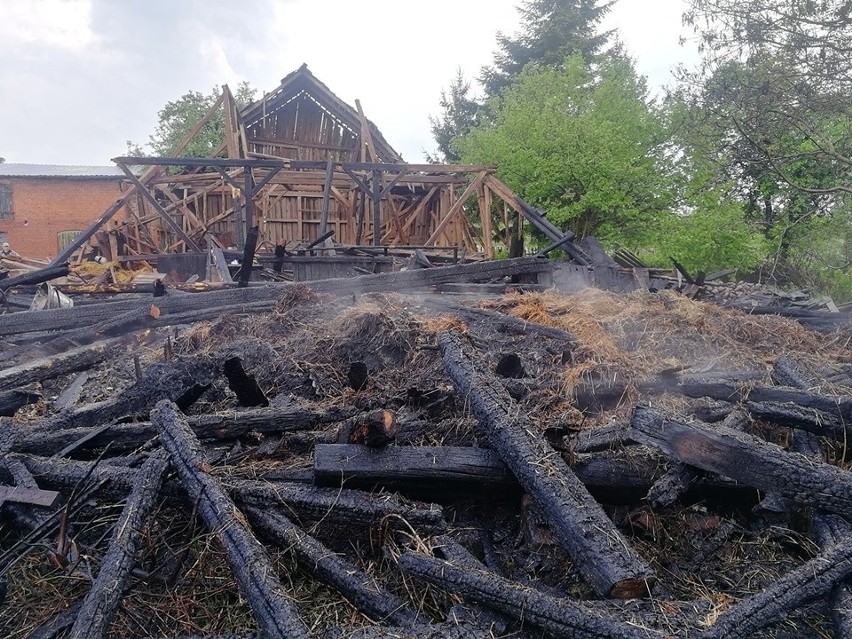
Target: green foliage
551,31
584,146
459,112
177,118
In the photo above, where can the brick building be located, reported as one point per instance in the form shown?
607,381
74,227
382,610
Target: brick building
44,207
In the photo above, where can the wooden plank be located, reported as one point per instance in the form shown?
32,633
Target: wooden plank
32,496
471,188
366,136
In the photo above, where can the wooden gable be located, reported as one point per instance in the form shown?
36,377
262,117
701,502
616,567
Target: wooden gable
303,120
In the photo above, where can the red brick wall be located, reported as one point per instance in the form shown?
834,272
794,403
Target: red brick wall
44,207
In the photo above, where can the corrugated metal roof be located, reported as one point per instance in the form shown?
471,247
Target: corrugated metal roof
58,170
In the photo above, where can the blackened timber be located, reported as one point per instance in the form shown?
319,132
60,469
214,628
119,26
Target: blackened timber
746,459
274,611
67,318
12,400
812,580
100,603
559,616
244,386
374,429
599,551
503,322
308,503
53,366
357,465
793,416
35,277
672,485
247,264
359,588
234,425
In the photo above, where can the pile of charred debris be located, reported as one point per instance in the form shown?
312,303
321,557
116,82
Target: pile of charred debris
367,457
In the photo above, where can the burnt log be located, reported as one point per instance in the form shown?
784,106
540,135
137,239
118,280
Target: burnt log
359,588
669,488
56,365
274,611
599,551
100,603
746,459
13,400
559,616
244,386
496,320
812,580
307,503
450,630
374,429
124,437
35,277
809,419
451,466
68,318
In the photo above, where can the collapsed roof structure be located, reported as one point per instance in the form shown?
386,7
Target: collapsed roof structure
300,165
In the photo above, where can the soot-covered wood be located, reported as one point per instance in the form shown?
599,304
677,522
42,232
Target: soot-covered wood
602,555
274,611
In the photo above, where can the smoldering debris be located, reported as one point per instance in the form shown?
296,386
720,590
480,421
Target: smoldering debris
522,464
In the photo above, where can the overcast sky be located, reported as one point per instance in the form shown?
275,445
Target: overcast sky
81,77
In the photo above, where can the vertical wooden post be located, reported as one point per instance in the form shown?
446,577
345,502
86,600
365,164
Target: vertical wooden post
248,198
377,207
326,195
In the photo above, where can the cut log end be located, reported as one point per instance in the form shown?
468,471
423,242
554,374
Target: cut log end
632,588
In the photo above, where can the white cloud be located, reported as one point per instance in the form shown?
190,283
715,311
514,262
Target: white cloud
84,76
64,24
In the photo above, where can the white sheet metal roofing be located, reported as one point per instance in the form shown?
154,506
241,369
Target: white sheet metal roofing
58,170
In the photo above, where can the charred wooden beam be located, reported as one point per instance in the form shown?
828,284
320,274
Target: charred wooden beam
56,365
13,400
561,617
307,503
273,609
359,588
35,277
670,487
599,551
811,580
100,603
124,437
68,318
808,419
746,459
449,630
500,321
336,464
245,386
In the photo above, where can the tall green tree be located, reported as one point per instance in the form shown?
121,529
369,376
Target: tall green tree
582,144
780,73
551,31
177,118
459,113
